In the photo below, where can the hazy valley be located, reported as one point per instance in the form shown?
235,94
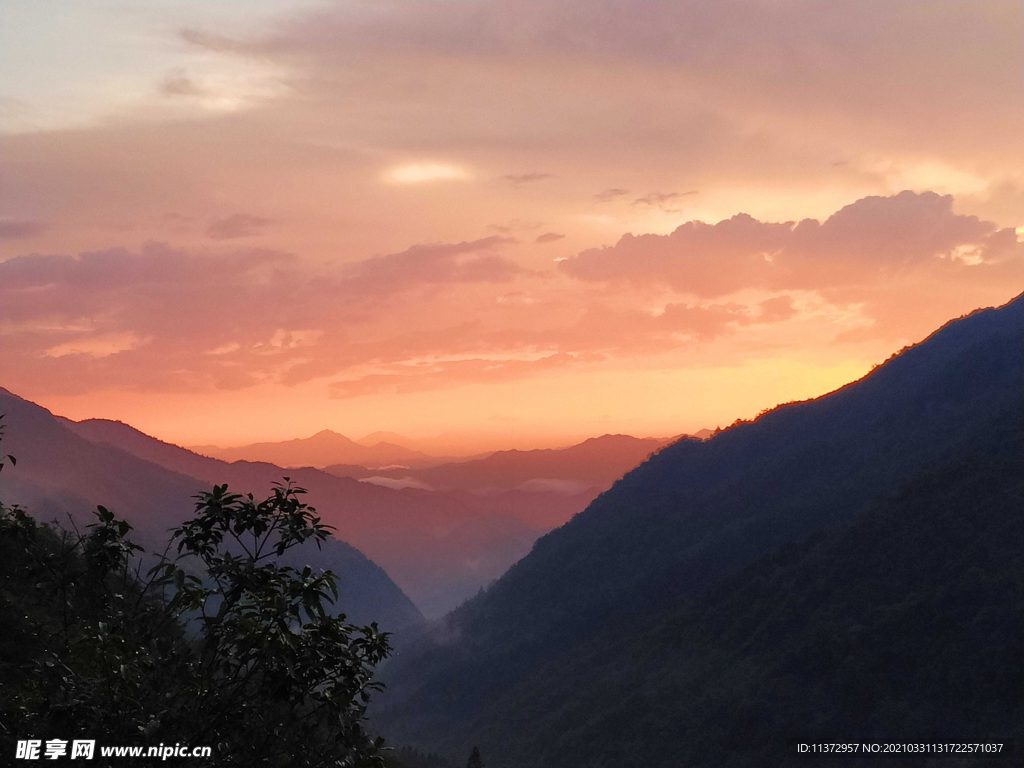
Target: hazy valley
441,532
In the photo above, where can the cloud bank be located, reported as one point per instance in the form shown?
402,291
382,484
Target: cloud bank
444,314
872,240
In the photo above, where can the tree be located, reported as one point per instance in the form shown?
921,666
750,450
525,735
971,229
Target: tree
216,646
474,759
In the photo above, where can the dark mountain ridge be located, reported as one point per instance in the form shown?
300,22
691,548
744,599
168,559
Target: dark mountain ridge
440,548
699,510
61,475
904,624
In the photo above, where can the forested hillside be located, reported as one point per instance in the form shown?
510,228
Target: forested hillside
697,512
903,625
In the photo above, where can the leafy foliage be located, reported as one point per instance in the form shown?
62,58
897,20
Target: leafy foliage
407,757
218,645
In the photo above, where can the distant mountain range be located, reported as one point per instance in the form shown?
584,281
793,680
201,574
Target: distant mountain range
543,488
388,456
439,546
594,463
375,438
848,567
323,448
65,469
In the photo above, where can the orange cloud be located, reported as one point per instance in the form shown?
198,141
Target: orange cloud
430,316
168,318
428,265
868,241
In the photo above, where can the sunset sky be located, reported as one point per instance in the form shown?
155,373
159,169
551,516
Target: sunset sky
517,224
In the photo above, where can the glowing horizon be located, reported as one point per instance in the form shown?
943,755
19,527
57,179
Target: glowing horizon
514,224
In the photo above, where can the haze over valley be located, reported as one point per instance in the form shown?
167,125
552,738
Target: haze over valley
440,542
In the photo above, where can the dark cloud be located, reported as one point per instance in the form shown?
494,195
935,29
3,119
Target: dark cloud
516,225
525,178
548,237
660,198
235,226
431,265
610,194
13,229
211,41
178,83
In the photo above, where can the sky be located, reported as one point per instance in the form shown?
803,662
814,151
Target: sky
493,224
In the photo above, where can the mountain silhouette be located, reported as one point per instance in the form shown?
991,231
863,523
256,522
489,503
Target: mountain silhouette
62,476
440,548
392,438
319,450
697,512
905,624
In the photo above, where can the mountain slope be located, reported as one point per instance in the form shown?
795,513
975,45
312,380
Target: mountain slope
696,511
903,625
60,474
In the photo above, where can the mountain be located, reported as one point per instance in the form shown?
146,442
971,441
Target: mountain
392,438
62,475
323,448
594,463
905,624
543,488
693,514
440,548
